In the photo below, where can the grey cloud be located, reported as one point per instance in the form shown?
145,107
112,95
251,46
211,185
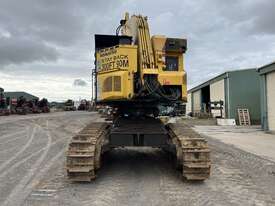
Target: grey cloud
20,50
49,24
80,82
221,35
265,15
252,17
41,21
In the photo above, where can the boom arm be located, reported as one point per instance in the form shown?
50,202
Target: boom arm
137,27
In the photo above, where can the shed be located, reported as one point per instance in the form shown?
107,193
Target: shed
224,94
267,76
16,95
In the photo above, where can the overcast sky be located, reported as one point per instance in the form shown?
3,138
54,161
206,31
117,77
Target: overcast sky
46,46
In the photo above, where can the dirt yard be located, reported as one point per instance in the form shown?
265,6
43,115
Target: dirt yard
32,170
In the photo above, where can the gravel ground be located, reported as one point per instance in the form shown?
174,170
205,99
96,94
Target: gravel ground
32,151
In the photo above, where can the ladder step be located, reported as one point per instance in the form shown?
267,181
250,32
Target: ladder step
196,177
196,151
80,169
80,155
197,165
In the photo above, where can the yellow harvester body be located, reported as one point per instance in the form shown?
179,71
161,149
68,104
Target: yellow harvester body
120,66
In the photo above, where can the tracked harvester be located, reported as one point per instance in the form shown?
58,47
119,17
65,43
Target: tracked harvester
136,74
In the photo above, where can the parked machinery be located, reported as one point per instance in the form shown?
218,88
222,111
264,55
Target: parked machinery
69,105
43,105
32,106
135,74
3,103
22,106
13,104
84,105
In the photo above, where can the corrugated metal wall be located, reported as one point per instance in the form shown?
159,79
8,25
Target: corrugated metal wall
244,92
217,94
270,90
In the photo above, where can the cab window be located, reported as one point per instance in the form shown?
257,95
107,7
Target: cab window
172,63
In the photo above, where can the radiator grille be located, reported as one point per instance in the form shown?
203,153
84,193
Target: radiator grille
107,85
112,83
117,83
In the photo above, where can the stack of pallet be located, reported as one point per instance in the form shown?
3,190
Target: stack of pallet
244,117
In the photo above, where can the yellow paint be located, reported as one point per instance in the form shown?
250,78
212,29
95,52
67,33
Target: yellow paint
169,77
120,61
123,57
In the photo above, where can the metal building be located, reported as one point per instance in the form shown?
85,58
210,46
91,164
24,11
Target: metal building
16,95
267,74
222,95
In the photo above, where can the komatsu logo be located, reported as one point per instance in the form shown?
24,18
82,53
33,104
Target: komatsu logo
108,52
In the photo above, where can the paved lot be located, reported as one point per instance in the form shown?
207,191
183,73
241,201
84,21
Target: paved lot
248,138
32,170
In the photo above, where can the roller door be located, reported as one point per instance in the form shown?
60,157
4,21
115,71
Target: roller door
197,101
270,93
188,105
217,94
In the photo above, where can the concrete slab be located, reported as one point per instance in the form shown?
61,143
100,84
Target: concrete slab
250,139
226,122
